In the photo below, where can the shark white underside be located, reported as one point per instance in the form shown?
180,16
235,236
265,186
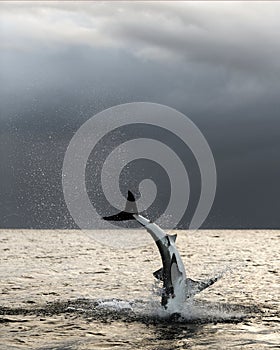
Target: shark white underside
173,272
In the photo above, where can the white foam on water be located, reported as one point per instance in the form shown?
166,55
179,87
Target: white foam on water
192,312
208,312
115,304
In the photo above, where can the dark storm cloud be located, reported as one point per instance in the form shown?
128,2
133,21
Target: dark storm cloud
217,62
230,48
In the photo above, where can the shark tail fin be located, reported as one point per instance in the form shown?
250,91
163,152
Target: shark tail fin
130,206
195,287
127,214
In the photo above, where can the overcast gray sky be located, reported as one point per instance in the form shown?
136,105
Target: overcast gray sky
217,62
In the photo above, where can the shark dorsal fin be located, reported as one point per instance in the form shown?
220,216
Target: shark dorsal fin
172,238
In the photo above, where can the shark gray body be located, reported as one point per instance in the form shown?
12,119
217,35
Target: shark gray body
172,273
176,286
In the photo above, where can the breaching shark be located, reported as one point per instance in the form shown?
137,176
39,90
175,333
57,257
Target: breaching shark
176,286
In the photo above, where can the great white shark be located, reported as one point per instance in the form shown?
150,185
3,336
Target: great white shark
176,286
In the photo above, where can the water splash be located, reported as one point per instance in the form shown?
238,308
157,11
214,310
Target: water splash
192,311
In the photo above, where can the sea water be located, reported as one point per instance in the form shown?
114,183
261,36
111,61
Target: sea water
65,290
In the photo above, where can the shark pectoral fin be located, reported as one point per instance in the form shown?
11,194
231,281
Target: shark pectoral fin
159,274
194,287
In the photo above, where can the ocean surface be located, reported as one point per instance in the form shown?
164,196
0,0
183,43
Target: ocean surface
69,290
